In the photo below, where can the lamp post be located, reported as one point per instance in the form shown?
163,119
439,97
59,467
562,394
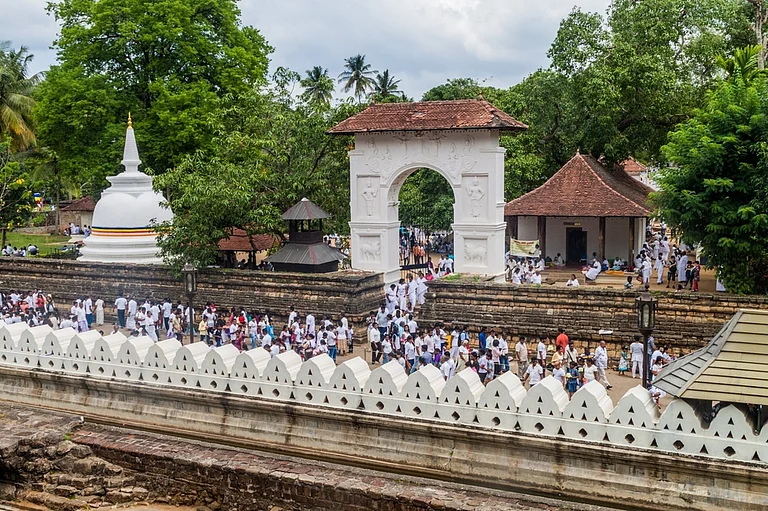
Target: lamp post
190,286
646,319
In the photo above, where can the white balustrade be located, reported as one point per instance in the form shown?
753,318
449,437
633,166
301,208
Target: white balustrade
504,404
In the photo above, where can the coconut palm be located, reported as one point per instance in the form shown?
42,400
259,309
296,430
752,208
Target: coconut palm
318,87
385,85
16,97
357,75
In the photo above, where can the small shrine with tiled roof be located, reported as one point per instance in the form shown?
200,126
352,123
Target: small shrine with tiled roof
584,208
305,251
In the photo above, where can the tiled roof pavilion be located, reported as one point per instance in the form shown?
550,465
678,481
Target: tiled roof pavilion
584,187
428,116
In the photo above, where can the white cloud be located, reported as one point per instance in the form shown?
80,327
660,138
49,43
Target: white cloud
421,42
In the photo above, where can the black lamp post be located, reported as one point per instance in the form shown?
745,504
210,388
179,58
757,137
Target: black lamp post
646,321
190,286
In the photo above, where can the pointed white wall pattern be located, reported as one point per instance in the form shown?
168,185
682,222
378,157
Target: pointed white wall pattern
504,405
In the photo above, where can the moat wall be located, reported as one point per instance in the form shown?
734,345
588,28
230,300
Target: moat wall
511,461
684,321
349,292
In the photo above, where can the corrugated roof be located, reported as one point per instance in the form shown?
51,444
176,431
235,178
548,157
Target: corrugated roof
305,209
239,241
428,116
299,253
731,368
583,187
84,204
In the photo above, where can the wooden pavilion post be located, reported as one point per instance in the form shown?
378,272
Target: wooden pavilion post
542,232
601,237
631,251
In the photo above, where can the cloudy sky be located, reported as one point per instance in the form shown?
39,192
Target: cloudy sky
421,42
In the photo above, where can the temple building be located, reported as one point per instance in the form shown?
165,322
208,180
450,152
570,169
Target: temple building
306,252
584,208
121,230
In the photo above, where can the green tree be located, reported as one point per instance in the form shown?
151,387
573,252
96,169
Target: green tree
385,85
168,62
456,88
16,102
16,199
637,73
44,169
426,200
357,75
270,151
715,191
744,63
318,87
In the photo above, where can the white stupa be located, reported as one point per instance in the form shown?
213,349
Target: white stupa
121,231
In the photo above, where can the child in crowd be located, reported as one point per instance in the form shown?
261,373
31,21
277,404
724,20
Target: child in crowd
623,361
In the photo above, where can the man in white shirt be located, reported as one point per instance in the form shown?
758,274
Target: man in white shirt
310,324
167,310
534,373
292,317
601,362
120,304
636,357
391,299
536,278
541,352
88,306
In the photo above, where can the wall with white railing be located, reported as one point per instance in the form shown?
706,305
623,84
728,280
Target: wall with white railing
503,405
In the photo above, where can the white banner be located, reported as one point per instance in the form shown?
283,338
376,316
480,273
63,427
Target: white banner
520,248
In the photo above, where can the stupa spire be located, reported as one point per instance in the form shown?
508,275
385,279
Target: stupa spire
131,159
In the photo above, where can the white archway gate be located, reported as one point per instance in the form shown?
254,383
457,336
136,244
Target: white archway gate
469,158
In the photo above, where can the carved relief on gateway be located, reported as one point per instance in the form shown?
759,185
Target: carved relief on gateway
370,249
378,160
475,251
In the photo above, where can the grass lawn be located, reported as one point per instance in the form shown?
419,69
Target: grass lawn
45,243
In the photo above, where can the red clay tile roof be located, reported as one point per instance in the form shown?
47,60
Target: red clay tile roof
239,242
633,167
428,116
584,187
84,204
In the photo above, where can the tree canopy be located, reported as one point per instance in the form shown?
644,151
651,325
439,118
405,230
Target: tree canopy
270,151
716,190
16,102
168,62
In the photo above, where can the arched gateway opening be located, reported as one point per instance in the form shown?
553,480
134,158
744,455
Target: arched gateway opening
426,202
457,139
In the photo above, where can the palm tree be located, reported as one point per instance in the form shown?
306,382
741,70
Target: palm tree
318,87
357,74
43,165
16,97
744,60
385,85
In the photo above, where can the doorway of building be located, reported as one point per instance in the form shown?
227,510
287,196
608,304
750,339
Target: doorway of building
575,245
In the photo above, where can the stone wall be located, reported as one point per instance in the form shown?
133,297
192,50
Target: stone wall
500,436
684,321
354,293
64,463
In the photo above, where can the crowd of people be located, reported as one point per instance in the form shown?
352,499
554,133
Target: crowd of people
9,250
394,334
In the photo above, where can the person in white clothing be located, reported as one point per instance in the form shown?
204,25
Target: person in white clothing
572,282
534,373
601,361
636,357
